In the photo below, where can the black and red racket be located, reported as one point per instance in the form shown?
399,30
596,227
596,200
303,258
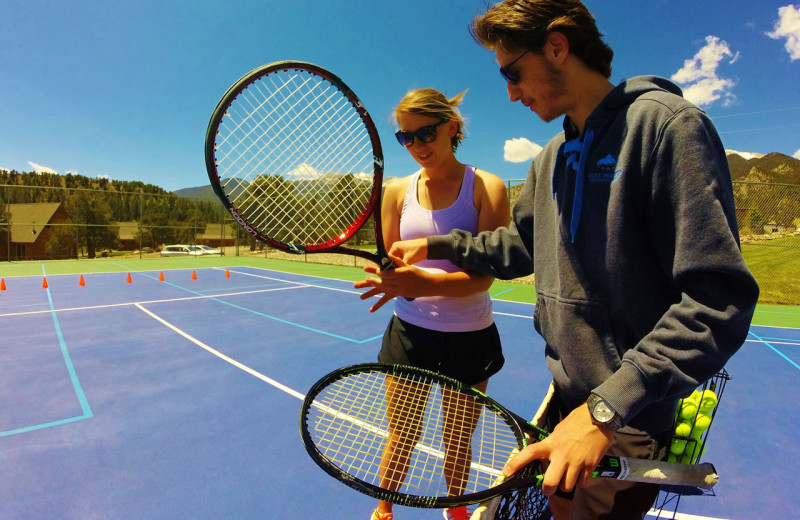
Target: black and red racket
296,159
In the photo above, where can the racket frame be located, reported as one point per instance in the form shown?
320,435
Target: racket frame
335,244
621,468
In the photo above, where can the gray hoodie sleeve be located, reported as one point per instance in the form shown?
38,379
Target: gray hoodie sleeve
504,253
694,232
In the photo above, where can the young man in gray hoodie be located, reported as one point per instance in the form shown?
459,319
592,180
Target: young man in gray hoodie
627,220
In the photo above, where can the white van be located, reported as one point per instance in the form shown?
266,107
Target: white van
181,250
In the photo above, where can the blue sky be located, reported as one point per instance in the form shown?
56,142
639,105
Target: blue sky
125,88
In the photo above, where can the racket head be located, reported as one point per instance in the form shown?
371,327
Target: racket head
295,158
345,424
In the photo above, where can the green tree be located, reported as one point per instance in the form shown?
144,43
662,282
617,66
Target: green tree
91,214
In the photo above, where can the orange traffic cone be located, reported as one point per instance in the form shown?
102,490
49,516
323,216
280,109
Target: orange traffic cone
81,282
2,284
129,279
227,273
194,275
44,283
161,277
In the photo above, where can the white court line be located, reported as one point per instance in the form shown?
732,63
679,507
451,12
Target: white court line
527,316
166,300
680,516
292,392
349,291
259,375
772,342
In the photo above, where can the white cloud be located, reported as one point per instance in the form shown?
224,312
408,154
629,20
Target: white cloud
38,168
796,154
520,150
303,171
702,85
746,155
99,176
788,27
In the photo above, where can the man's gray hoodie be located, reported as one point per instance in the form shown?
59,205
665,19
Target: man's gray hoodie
630,229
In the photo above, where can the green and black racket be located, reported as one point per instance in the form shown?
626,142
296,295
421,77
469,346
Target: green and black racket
297,161
417,438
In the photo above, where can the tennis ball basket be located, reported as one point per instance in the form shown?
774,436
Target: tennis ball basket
690,430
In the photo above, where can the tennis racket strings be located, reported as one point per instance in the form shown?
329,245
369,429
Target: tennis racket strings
406,435
294,158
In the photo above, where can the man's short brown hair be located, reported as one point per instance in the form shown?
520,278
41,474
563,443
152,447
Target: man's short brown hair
525,24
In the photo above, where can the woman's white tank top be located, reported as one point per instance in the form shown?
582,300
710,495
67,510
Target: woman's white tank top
443,313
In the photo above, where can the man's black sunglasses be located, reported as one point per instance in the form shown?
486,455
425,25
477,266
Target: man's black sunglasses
426,134
505,70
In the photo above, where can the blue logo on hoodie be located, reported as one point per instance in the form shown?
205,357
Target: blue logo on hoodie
606,170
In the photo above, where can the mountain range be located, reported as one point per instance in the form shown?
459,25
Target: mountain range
771,168
745,167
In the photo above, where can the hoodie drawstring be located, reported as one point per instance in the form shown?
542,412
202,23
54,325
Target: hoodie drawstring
576,152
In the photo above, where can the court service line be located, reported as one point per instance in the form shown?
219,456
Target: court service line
679,516
220,355
294,393
165,300
349,291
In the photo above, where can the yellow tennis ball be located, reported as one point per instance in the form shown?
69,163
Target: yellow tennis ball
688,410
708,400
673,458
677,447
703,422
683,429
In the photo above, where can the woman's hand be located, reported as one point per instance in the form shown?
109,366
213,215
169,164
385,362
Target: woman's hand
404,280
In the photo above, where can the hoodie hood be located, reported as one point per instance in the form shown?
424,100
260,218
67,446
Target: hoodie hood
573,153
621,97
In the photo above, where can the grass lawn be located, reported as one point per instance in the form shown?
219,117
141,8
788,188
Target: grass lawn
776,266
777,270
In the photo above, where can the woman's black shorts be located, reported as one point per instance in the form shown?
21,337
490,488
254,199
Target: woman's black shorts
470,357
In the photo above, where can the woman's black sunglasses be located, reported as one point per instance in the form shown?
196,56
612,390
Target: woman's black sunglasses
426,134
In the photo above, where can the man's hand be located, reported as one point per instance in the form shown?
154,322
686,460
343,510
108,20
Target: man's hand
573,449
409,252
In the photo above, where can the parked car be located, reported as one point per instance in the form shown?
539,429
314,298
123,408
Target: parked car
181,250
208,250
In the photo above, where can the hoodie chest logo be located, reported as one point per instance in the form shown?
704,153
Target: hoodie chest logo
605,171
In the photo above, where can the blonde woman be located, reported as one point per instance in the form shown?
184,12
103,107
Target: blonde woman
448,326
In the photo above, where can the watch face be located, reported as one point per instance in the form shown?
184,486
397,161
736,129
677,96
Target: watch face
602,412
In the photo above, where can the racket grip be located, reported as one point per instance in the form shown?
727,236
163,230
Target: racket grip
656,472
387,265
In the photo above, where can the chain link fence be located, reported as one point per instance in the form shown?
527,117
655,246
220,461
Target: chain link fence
38,223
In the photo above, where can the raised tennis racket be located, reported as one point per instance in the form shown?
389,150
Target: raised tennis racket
296,159
417,438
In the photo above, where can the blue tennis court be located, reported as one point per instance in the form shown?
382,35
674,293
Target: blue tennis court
147,399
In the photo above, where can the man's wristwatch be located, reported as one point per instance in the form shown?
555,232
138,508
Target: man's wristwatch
602,413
